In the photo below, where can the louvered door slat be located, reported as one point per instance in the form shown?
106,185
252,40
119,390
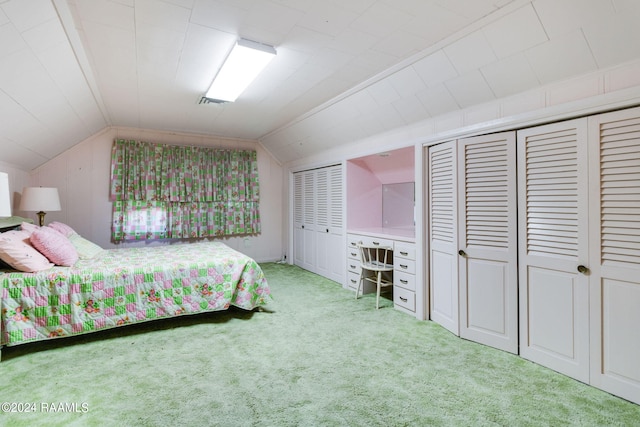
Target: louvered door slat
551,192
442,196
620,190
298,198
322,198
309,199
485,226
335,195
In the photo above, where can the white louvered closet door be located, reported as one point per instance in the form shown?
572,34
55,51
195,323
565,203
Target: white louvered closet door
614,140
330,260
553,246
298,218
322,221
336,257
304,219
488,241
443,237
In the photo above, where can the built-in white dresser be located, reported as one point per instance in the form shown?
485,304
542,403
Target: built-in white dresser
404,261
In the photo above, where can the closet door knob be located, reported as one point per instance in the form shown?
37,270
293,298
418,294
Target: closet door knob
582,269
462,253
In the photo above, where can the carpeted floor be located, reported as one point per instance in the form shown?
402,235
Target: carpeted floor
314,357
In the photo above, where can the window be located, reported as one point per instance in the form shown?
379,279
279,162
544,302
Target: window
168,192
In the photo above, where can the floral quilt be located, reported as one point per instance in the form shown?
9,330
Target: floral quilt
130,285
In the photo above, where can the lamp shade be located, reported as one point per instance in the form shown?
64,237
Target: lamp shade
40,199
5,195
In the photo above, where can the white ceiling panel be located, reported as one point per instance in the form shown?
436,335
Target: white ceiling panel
470,53
566,16
44,37
562,57
434,22
383,92
525,29
10,40
172,18
345,69
17,154
510,75
410,109
25,17
615,39
406,82
470,89
328,17
437,100
111,13
435,69
381,19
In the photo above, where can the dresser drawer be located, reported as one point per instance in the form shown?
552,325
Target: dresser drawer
354,239
404,250
353,253
404,298
404,280
353,265
404,265
352,280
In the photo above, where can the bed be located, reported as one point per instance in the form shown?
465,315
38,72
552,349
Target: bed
125,286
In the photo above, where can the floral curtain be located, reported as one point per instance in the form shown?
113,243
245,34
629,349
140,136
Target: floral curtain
166,192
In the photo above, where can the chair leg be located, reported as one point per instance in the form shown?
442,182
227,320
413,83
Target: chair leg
378,290
359,284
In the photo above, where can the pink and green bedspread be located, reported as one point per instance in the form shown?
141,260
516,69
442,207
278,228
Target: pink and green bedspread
124,286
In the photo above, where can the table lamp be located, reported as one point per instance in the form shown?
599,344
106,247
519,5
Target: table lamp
40,199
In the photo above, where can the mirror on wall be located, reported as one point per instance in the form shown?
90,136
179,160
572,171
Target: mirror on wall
398,205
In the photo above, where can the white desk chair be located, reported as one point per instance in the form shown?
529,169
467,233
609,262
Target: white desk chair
376,260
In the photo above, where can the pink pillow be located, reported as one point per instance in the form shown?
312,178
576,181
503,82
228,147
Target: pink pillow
29,228
17,251
63,229
56,247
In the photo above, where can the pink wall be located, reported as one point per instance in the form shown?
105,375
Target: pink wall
364,196
365,177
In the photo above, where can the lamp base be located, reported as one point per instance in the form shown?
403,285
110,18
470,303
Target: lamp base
41,217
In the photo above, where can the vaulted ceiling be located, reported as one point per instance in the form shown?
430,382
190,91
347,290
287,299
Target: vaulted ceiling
345,69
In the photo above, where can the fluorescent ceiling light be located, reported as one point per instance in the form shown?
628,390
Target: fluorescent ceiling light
244,63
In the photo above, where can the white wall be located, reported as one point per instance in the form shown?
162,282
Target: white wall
81,175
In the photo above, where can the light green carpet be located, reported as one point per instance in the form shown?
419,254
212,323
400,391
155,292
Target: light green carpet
316,357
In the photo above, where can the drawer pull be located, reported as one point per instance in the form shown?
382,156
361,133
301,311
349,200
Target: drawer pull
354,281
405,266
354,254
352,266
403,299
404,282
404,253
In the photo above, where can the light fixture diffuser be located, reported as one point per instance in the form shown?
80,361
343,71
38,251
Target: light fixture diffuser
246,60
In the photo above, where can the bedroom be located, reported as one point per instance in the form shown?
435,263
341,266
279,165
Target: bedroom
339,88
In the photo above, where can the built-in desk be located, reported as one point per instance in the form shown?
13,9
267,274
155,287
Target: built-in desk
402,240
